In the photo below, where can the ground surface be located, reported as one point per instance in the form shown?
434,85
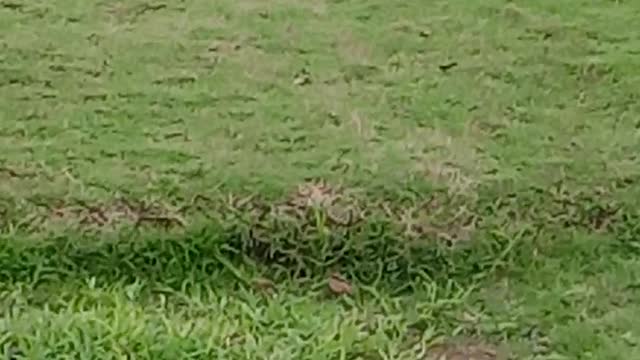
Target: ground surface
319,179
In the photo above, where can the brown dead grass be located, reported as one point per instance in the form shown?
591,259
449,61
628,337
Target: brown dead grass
341,205
452,162
436,218
23,180
464,350
353,50
104,216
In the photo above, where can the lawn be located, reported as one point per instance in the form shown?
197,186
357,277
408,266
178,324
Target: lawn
326,179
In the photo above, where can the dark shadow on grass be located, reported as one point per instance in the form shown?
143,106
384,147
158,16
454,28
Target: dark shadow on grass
368,253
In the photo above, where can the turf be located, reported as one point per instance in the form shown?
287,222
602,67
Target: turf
319,180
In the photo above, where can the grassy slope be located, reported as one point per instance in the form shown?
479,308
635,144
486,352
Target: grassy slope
531,133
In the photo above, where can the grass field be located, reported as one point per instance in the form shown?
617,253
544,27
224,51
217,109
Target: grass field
326,179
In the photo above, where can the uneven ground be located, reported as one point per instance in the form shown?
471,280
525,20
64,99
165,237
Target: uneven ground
323,179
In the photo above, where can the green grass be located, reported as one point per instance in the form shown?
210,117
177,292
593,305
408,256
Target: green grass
178,180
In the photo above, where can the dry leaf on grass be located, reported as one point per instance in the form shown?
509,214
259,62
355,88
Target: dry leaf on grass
339,285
